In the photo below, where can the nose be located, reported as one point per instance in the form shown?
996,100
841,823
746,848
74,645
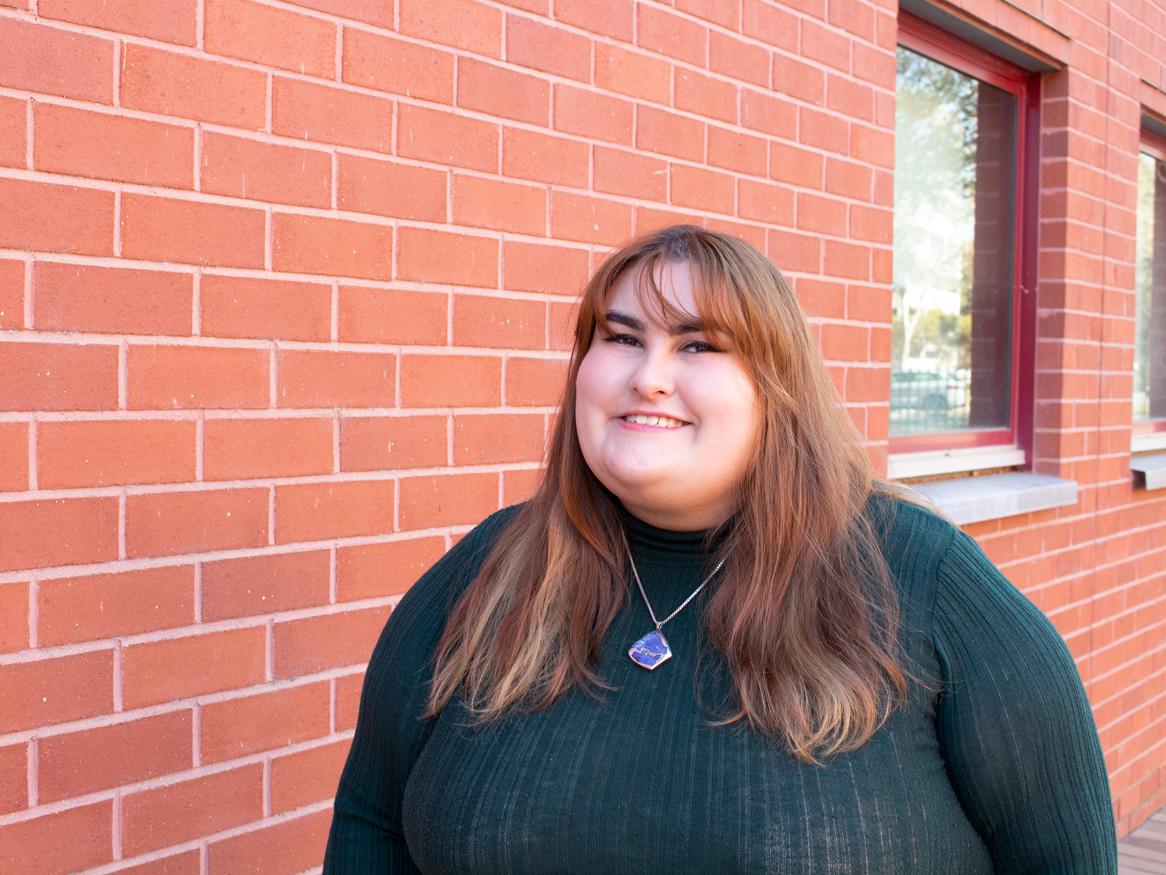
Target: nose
653,376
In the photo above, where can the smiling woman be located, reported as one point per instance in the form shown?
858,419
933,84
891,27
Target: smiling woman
846,683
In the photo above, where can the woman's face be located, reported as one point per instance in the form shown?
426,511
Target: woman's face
667,416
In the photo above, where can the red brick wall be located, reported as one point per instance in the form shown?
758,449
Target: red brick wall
285,289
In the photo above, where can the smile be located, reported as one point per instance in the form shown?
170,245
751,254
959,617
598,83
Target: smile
657,421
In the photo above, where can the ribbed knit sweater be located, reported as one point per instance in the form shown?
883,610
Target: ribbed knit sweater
998,770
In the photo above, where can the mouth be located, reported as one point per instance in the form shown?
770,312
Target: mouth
653,421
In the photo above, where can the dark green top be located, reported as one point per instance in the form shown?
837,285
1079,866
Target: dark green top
1000,771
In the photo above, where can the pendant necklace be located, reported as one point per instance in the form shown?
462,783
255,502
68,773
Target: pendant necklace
652,650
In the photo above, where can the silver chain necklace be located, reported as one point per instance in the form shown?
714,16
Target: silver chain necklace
652,650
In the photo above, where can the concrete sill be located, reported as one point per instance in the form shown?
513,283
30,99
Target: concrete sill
974,499
1149,471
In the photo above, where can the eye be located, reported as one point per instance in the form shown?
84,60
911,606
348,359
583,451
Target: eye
625,339
699,346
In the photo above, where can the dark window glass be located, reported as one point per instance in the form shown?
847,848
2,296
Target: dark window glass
955,172
1150,339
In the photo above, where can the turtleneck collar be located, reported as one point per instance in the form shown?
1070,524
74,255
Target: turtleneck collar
664,545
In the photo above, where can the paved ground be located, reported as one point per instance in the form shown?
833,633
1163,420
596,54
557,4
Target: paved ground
1144,850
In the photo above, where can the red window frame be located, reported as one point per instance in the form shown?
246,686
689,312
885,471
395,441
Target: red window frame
1155,145
925,39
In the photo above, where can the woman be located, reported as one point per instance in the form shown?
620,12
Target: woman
711,642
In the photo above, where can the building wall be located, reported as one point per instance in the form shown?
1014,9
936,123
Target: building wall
285,297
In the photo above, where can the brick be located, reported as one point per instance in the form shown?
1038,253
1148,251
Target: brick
55,218
450,380
52,61
243,449
632,73
871,223
746,62
535,382
537,267
868,303
705,190
447,500
306,776
752,234
87,528
649,219
768,114
374,443
867,384
379,315
398,67
822,298
114,452
539,46
329,378
254,170
34,847
102,757
853,16
13,132
825,46
447,138
848,178
499,91
186,863
519,485
733,150
72,609
424,256
164,816
589,219
821,214
194,665
14,608
189,377
614,18
794,252
872,146
822,130
270,36
562,324
275,718
315,511
77,297
498,322
13,778
666,132
706,96
324,114
13,456
171,21
593,115
250,586
11,294
845,342
531,155
671,35
795,165
463,24
123,149
234,306
55,690
726,13
326,642
192,232
386,188
798,80
846,260
159,81
499,206
333,247
369,11
852,98
630,174
367,571
161,524
488,439
282,848
765,202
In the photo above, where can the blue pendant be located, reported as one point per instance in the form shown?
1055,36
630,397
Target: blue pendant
651,650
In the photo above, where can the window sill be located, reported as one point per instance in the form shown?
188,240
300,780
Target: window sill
993,496
901,466
1148,443
1150,471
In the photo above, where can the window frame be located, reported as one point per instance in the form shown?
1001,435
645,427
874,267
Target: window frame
926,39
1152,144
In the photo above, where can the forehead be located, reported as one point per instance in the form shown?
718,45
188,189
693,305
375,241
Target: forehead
664,296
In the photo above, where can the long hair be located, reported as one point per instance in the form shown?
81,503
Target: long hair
805,614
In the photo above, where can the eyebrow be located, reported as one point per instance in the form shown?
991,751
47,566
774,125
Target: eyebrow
637,325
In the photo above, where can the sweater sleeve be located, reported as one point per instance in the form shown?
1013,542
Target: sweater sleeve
1015,727
366,834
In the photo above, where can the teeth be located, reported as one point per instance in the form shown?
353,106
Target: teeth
660,421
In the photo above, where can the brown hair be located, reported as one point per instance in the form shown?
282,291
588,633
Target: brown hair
805,614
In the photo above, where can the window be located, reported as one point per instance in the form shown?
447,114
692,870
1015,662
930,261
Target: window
1150,284
961,361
